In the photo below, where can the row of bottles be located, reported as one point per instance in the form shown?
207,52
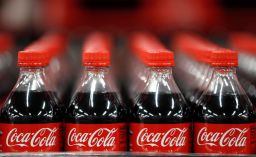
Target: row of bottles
214,116
223,116
34,120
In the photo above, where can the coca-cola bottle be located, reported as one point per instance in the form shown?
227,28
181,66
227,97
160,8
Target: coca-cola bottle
224,117
249,88
137,69
59,69
95,119
245,44
52,44
30,119
160,120
193,70
8,71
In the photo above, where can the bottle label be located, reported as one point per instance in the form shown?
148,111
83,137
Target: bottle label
225,138
160,137
44,137
95,137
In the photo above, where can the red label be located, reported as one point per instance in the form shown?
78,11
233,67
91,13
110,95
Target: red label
30,137
160,137
95,137
225,138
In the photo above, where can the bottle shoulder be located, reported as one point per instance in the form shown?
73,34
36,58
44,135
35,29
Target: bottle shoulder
225,108
161,108
95,108
30,107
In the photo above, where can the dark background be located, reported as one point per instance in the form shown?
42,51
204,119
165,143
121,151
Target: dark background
121,16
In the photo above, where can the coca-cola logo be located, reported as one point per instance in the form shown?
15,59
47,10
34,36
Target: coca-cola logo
172,137
102,137
231,137
42,137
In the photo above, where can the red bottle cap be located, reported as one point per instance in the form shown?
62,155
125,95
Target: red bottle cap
224,57
243,41
35,55
56,42
6,42
204,50
150,50
96,50
194,46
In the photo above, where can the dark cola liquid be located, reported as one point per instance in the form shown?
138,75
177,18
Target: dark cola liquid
25,107
225,109
96,108
126,99
65,98
59,102
161,108
253,100
193,97
249,89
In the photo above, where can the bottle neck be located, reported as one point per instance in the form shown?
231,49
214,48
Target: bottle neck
224,71
224,74
96,79
224,81
31,78
97,73
160,73
30,70
160,79
97,70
